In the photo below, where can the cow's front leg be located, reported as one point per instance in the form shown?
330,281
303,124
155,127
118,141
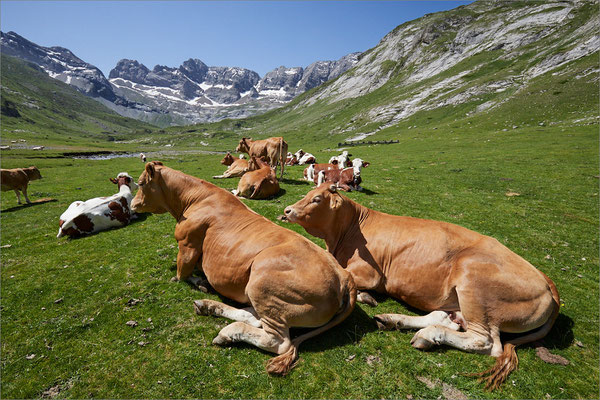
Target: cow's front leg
187,259
18,196
400,321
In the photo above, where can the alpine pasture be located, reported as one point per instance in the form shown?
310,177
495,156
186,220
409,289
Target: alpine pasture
67,303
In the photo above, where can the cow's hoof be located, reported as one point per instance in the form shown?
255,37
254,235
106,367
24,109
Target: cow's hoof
174,279
221,340
366,298
384,323
200,307
421,343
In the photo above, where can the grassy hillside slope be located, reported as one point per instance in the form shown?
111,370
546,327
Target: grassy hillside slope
45,111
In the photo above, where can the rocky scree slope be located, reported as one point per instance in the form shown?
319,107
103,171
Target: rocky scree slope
482,54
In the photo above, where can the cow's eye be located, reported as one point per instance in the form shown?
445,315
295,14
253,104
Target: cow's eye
316,199
140,184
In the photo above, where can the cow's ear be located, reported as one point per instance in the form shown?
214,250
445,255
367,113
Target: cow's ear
336,200
366,164
113,180
157,162
150,169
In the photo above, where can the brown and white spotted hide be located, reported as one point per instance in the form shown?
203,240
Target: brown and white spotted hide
100,213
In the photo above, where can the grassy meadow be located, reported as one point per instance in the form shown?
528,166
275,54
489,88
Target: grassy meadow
65,303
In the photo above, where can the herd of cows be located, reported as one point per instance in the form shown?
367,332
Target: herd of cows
471,285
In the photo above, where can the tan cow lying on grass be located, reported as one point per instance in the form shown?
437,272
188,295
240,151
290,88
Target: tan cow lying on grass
473,285
237,167
249,259
17,179
273,150
260,182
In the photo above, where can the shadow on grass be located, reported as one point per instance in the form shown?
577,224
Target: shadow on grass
294,181
27,205
140,218
368,192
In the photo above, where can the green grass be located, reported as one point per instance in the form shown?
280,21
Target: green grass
83,347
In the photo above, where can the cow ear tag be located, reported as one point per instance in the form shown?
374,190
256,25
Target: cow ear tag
113,180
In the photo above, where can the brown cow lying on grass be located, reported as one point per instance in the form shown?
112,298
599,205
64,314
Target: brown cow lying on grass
473,285
237,167
17,179
259,182
249,259
273,150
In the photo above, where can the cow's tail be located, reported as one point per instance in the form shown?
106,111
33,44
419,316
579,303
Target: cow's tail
282,154
508,360
283,363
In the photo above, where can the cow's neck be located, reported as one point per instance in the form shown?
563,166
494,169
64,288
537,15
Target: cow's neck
180,191
349,219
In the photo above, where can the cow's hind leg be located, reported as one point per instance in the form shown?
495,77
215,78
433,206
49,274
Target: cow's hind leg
400,321
476,339
25,194
210,307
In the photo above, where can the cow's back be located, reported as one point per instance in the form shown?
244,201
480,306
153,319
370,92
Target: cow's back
13,179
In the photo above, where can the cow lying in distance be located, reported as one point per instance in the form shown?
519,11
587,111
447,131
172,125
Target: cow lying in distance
312,171
346,179
472,285
100,213
17,179
237,167
252,261
260,182
343,159
272,150
305,158
291,159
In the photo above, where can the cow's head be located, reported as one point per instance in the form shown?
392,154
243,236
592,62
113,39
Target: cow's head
358,164
299,154
150,196
33,173
316,211
124,179
228,159
244,145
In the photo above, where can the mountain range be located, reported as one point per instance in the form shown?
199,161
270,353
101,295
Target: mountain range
190,93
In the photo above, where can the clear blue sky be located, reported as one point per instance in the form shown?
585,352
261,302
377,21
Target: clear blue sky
258,35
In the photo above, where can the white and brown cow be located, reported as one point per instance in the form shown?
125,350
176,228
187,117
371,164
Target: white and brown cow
304,157
312,171
249,259
472,285
100,213
346,179
291,159
236,167
343,159
17,179
272,150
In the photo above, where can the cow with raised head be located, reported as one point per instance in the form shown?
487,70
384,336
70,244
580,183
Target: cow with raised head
343,159
291,159
249,259
472,285
346,179
18,179
273,150
304,157
100,213
260,182
236,167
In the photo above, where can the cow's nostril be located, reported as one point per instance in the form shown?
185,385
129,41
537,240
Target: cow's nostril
287,211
